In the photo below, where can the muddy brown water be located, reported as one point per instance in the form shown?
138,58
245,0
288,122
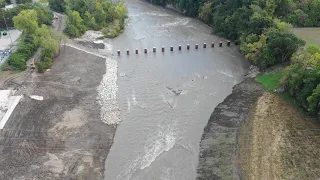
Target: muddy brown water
166,98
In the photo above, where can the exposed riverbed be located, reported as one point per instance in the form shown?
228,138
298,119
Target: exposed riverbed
166,99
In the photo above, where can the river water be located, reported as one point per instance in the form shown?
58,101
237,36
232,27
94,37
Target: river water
166,98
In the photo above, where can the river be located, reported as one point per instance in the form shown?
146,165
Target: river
166,98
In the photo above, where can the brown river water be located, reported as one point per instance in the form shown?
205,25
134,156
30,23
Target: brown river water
165,99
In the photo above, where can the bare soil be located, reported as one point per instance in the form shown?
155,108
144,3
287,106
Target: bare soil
278,142
218,146
61,137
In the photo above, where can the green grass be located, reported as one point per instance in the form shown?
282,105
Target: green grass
270,80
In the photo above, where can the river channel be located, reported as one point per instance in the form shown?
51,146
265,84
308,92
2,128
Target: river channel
166,99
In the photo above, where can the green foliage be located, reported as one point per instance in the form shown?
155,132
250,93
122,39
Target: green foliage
259,21
17,61
43,38
314,100
26,20
57,5
45,61
23,1
282,45
205,12
313,49
282,26
33,37
44,16
75,25
302,78
95,14
270,80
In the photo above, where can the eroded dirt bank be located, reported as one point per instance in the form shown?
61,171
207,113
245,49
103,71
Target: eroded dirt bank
61,137
217,158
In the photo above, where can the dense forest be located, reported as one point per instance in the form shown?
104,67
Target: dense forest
107,16
262,27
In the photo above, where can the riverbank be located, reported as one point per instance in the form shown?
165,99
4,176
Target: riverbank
61,136
255,134
218,146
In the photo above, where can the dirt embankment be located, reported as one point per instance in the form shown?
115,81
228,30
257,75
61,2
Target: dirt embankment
258,135
61,137
218,146
278,142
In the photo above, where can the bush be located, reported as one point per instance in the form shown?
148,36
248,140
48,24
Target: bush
41,67
17,61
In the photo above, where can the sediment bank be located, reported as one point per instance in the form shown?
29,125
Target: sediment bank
218,146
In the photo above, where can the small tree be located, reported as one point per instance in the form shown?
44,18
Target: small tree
26,20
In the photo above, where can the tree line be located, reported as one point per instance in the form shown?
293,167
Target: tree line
107,16
6,16
262,28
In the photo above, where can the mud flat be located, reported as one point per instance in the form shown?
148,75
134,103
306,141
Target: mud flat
61,136
218,146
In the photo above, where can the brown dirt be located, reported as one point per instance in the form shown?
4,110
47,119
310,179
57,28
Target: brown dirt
61,137
278,142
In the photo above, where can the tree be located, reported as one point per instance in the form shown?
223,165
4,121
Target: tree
314,101
282,26
90,21
314,13
44,39
26,20
44,16
282,45
259,21
57,5
205,12
99,14
258,54
75,25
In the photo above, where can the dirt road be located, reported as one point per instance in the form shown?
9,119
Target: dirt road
61,137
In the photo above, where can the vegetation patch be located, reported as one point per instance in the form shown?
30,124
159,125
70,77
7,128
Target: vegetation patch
107,16
36,34
270,80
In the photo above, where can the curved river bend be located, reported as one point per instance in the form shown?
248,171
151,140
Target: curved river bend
166,98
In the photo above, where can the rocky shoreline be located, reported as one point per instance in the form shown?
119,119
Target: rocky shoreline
218,146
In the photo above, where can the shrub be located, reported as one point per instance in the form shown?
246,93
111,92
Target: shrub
17,61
